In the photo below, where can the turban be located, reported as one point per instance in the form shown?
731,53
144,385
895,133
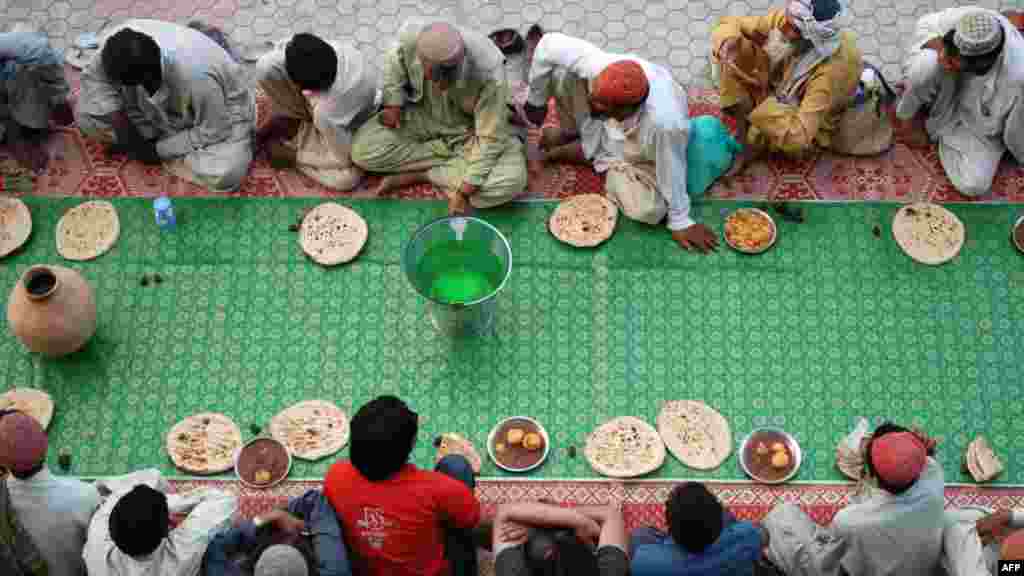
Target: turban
898,458
978,33
281,560
139,521
1013,546
622,83
440,43
816,21
23,442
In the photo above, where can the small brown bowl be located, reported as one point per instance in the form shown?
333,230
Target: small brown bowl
263,454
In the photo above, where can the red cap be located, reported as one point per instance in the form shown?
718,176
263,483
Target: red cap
23,442
898,458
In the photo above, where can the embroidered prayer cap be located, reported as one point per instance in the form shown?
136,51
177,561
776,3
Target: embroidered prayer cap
440,43
978,33
622,83
898,458
1013,546
281,560
23,442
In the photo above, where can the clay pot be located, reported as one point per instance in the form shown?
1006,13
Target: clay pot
52,310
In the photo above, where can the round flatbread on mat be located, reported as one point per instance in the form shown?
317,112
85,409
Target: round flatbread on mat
204,443
584,221
332,234
312,429
928,233
35,403
451,443
625,447
15,225
695,433
88,230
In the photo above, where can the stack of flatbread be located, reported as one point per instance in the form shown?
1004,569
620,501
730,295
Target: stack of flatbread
981,461
695,433
204,443
88,230
312,429
15,225
451,443
928,233
35,403
625,447
584,221
332,234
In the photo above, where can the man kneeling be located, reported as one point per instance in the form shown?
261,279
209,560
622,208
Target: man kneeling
327,90
164,93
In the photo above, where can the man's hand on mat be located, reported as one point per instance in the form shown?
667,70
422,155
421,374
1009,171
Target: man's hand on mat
391,116
458,204
697,237
993,527
512,533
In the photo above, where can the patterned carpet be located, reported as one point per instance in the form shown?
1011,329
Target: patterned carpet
80,168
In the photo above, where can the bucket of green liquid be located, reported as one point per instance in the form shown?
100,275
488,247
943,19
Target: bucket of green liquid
459,264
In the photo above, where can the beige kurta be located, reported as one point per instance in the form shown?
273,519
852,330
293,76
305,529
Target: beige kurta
458,136
786,128
203,116
329,119
974,119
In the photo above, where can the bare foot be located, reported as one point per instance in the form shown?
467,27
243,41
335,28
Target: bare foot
392,181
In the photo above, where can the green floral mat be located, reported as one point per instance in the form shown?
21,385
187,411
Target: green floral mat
833,323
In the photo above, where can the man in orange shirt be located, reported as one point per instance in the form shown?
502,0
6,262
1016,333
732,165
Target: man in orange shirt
400,520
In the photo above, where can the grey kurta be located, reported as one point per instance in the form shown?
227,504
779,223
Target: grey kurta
974,119
203,115
458,136
32,80
329,119
885,535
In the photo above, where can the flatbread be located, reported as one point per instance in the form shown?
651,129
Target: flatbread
451,443
695,433
625,447
204,443
981,461
312,429
928,233
332,234
584,221
88,230
15,225
35,403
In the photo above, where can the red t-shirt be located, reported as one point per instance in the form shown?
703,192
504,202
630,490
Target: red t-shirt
394,527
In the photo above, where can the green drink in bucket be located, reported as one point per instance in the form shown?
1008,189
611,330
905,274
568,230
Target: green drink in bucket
459,264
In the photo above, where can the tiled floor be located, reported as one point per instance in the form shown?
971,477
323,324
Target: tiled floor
672,32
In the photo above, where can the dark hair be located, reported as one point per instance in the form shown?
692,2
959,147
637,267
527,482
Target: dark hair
383,434
310,62
558,553
978,65
694,515
131,58
882,430
139,521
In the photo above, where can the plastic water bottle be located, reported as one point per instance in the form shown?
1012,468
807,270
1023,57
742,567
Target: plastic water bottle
164,213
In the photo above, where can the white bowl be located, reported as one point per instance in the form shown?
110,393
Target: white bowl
543,433
775,232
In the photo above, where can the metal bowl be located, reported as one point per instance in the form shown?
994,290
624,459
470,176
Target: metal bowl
1013,233
494,432
775,232
791,444
246,483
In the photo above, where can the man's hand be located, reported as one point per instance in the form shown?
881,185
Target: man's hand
912,132
391,116
458,204
551,138
697,237
31,155
993,527
512,533
588,531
